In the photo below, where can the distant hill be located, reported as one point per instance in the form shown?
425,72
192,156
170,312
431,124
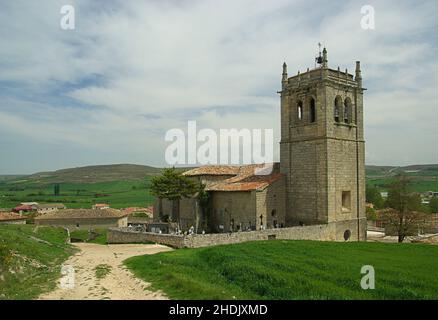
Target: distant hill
418,169
92,174
131,172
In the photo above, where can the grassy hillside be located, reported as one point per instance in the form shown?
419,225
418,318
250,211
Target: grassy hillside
424,177
37,254
93,174
292,270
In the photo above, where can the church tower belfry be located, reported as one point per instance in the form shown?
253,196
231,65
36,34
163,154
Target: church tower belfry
322,151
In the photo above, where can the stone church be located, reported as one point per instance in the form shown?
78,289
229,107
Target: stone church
320,179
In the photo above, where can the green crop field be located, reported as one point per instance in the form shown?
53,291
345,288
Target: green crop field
292,270
119,194
36,255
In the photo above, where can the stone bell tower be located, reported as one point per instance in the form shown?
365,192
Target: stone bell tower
322,149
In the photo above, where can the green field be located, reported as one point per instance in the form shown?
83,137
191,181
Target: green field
422,179
37,255
119,194
292,270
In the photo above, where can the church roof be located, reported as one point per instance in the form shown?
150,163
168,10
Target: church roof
246,183
243,178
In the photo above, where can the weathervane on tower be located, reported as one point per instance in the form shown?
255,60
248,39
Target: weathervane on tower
319,59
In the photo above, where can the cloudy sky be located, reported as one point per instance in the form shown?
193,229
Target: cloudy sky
108,91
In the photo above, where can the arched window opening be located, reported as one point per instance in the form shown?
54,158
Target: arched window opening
337,111
347,110
312,110
300,110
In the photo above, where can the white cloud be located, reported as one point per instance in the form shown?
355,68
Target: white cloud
132,70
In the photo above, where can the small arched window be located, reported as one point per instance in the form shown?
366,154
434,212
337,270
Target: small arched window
312,110
300,110
337,110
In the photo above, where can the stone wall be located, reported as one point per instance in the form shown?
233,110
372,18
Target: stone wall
324,232
13,222
120,235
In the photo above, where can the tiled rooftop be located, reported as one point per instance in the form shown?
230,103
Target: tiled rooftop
243,178
83,214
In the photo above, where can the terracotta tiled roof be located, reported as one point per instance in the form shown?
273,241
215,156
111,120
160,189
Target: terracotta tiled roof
23,207
10,216
100,205
213,171
244,178
83,214
246,183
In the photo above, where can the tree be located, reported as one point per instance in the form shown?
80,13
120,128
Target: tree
371,214
173,186
373,196
434,205
404,212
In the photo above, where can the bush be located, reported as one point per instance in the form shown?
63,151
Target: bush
434,205
371,214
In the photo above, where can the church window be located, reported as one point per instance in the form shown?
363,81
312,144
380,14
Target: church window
312,110
300,110
346,201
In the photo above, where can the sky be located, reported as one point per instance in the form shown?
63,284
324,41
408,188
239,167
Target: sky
108,91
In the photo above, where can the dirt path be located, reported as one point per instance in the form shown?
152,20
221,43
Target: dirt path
118,284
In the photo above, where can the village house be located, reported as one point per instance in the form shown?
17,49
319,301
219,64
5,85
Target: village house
12,218
100,206
84,218
46,208
24,208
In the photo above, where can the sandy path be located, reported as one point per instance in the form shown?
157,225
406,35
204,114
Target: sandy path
119,284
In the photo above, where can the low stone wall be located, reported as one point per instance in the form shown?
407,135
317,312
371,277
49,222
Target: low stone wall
123,235
324,232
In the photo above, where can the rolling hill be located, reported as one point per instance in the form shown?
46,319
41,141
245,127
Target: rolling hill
131,172
94,174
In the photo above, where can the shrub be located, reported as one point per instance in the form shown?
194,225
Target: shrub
371,214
